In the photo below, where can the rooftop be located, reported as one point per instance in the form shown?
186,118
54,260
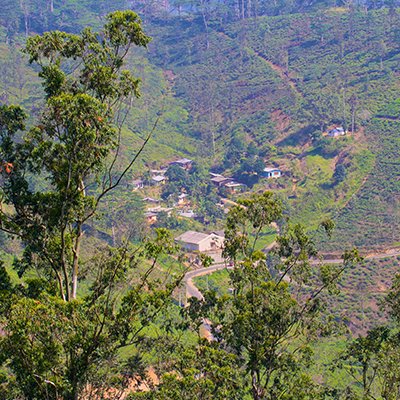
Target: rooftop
220,233
271,169
233,184
192,237
182,161
151,200
159,209
158,171
158,178
219,179
188,214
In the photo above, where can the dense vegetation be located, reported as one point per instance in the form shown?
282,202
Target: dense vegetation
261,90
91,294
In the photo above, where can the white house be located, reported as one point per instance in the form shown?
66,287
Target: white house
187,214
233,186
335,132
197,241
137,184
158,179
272,173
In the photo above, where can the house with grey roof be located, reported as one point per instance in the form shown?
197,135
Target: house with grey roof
220,180
233,186
158,179
184,163
335,132
197,241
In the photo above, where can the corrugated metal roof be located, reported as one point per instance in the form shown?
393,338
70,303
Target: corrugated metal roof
233,184
182,161
158,178
219,179
192,237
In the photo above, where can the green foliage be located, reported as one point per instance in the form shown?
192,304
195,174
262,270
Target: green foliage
204,372
372,216
248,90
70,145
340,174
54,348
56,343
268,323
280,80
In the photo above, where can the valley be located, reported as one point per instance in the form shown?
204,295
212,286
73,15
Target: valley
203,169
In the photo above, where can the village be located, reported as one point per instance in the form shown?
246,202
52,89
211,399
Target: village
181,205
226,186
164,195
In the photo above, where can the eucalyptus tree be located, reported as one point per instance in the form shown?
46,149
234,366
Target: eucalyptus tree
71,144
59,342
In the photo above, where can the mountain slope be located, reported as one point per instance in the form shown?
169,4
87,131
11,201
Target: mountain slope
270,85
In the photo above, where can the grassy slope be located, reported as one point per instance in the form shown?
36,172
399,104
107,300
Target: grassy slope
276,79
270,79
19,84
366,204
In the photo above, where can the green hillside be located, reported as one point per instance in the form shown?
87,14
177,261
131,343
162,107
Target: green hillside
280,82
234,93
166,202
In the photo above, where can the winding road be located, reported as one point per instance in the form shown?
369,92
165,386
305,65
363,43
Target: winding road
193,291
191,288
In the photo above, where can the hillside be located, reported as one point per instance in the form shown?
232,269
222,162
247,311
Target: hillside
262,90
209,267
280,82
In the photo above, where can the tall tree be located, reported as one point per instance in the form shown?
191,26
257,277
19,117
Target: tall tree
55,344
71,143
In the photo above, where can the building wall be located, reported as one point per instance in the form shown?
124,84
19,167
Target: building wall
205,245
191,246
210,243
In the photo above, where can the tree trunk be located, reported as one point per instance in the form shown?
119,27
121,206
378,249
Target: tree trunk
248,8
237,9
256,390
344,107
75,265
76,250
203,12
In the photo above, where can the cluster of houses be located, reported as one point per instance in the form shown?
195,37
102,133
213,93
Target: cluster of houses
229,183
232,186
182,203
158,177
271,173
